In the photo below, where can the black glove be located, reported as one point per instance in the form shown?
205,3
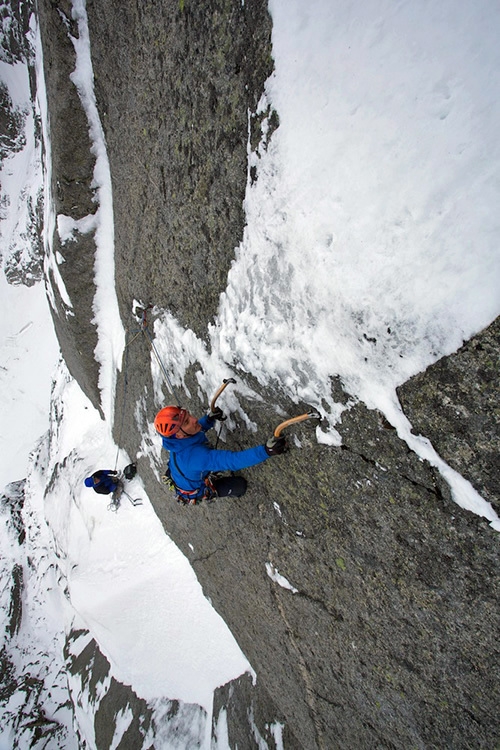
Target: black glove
276,445
217,413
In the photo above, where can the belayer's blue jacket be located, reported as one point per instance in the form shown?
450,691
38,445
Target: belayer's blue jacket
192,458
107,481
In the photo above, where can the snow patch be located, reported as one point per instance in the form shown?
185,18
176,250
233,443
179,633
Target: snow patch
275,576
111,335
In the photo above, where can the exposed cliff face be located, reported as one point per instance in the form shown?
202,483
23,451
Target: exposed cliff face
72,172
390,638
176,121
455,404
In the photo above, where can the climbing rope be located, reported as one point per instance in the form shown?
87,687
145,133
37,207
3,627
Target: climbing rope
125,384
145,331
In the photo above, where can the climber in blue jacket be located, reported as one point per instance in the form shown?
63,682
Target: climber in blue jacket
194,464
106,482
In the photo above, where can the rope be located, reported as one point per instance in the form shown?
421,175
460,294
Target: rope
143,329
218,435
162,367
138,333
125,384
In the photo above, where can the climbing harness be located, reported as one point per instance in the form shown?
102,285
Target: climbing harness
190,497
294,420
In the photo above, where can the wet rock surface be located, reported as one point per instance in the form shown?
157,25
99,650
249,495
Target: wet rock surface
387,634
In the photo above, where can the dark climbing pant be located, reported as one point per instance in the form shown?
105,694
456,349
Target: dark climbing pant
230,486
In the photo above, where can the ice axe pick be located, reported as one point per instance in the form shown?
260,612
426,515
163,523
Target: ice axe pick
294,420
224,385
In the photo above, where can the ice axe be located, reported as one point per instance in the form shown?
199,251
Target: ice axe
115,504
134,500
224,385
294,420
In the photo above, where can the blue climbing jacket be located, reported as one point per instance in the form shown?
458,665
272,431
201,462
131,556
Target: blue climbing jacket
107,481
192,459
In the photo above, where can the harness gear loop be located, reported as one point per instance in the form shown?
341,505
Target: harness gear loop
191,497
294,420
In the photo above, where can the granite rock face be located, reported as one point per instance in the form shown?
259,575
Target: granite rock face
388,634
73,194
176,82
455,404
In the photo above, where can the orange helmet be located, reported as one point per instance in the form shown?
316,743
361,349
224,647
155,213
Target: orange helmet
169,419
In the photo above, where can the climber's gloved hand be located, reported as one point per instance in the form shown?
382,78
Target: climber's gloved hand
276,445
217,413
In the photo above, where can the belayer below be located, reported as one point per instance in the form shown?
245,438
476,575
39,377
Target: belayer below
105,482
194,464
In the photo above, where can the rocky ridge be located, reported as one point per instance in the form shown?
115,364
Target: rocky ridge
22,249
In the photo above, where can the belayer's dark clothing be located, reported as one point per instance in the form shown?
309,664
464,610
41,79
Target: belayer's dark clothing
107,481
192,459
